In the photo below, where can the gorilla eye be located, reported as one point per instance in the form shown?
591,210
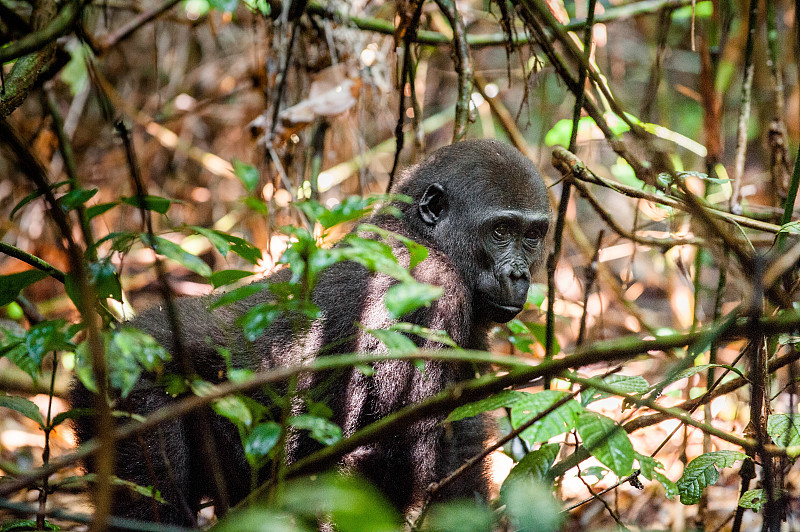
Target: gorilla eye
501,231
534,234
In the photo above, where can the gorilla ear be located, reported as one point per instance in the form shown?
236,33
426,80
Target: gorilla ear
432,204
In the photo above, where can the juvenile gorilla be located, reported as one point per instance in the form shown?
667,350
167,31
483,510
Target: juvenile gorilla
481,209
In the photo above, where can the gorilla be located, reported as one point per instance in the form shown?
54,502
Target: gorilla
480,208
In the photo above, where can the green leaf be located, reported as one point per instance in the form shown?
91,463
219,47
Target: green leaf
76,198
396,342
218,241
24,406
556,422
625,384
432,335
225,243
531,506
45,337
701,10
256,320
647,465
607,441
349,209
225,277
13,348
235,409
260,519
32,196
105,279
132,343
24,525
416,251
83,480
12,284
72,413
522,330
752,499
533,467
249,252
322,430
784,429
257,206
260,442
694,370
670,487
594,471
101,208
537,294
403,298
171,250
703,471
502,399
238,294
460,516
350,504
247,173
150,203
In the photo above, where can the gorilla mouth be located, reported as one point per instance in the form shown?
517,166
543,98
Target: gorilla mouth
503,313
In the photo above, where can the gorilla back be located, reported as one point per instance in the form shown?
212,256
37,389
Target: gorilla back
481,210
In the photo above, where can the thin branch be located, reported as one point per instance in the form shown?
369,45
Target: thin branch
33,260
463,67
61,24
744,109
568,162
663,243
127,29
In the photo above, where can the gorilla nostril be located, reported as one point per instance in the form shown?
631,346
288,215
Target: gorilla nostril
518,271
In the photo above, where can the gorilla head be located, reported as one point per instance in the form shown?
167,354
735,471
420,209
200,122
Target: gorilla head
484,205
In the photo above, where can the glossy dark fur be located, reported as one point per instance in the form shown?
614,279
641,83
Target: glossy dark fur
481,210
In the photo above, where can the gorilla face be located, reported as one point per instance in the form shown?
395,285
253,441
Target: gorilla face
486,207
514,242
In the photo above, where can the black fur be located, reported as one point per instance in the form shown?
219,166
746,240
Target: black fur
481,210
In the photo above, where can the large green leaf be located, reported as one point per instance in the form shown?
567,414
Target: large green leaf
704,471
460,516
607,442
784,429
173,251
406,297
76,198
24,406
322,430
11,285
150,203
45,337
256,320
504,398
247,173
225,277
396,342
624,383
533,467
260,442
347,502
530,405
238,294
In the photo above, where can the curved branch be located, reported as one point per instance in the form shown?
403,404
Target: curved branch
60,25
33,260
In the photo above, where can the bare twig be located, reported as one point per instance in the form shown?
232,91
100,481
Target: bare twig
463,67
744,109
127,29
